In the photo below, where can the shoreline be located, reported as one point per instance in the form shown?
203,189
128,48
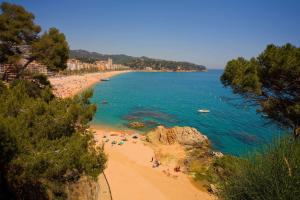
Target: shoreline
130,172
69,86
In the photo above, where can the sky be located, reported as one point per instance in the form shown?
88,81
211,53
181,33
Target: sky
207,32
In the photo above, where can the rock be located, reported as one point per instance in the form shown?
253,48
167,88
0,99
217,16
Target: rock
136,125
213,189
217,154
84,189
186,136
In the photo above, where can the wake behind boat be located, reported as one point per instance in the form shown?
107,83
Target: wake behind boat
204,111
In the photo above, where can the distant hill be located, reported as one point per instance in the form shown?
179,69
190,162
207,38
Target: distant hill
136,62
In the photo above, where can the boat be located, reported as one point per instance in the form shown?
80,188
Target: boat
204,111
104,79
104,102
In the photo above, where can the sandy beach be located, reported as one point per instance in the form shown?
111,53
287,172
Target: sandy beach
131,175
68,86
130,172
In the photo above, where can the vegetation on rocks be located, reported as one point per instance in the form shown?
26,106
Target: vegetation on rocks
211,171
191,150
44,142
271,174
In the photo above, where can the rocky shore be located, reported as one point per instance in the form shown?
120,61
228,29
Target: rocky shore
186,136
175,146
158,165
152,166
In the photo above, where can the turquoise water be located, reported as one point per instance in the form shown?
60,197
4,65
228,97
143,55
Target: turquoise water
174,98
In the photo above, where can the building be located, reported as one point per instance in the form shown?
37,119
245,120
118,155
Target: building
105,65
10,71
148,68
74,64
101,65
37,68
110,64
120,67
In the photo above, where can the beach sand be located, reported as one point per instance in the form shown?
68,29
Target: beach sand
129,171
68,86
131,175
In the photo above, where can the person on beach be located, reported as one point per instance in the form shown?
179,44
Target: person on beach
177,169
156,164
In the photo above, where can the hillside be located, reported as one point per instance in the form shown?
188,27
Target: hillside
136,62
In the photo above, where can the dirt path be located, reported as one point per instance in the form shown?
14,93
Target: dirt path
104,192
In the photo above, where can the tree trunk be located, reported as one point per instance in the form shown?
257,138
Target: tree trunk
19,73
4,77
296,132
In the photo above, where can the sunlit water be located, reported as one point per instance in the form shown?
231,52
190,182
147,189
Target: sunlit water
174,98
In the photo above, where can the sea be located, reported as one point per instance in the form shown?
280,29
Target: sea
173,99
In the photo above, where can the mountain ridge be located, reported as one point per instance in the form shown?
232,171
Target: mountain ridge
136,62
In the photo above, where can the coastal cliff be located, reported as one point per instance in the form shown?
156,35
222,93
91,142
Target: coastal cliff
177,146
186,136
187,149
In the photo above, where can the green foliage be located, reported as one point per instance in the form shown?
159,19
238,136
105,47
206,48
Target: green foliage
21,44
17,28
2,87
41,80
215,171
52,50
241,75
270,174
44,142
272,80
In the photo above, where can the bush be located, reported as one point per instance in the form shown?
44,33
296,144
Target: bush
44,142
270,174
214,171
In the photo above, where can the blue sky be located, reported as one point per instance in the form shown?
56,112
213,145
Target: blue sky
207,32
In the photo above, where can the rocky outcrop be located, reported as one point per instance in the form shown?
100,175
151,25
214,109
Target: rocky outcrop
136,125
186,136
85,188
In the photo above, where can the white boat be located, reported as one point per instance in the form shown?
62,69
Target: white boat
204,111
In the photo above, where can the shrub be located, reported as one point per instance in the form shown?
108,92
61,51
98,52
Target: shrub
44,142
272,173
214,171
